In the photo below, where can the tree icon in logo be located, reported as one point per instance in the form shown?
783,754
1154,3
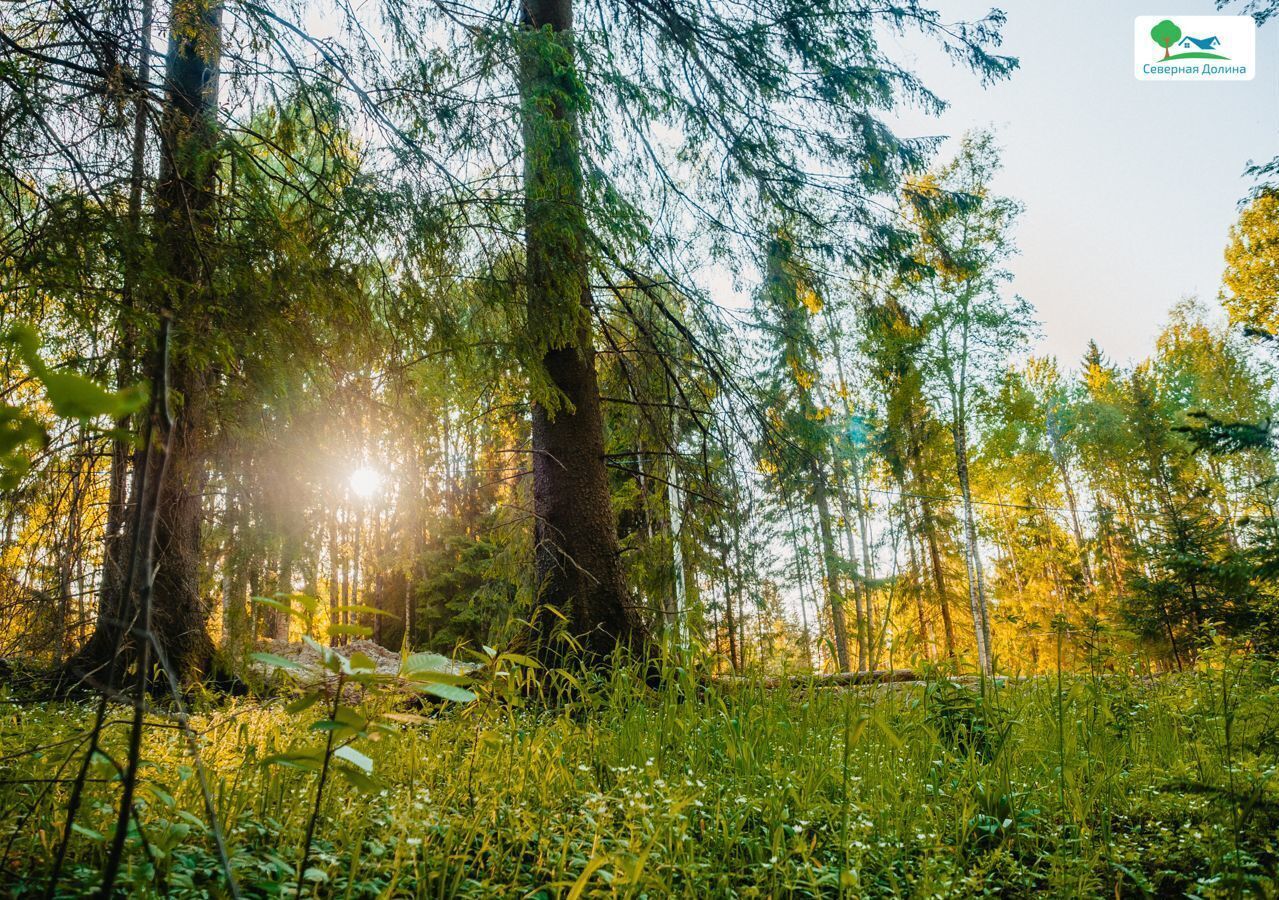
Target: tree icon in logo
1165,34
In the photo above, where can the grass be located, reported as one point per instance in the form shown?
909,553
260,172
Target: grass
1112,786
1194,54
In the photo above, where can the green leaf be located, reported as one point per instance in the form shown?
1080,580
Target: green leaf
355,758
306,760
284,606
305,702
359,779
273,659
348,716
426,677
367,610
426,662
307,602
362,662
192,820
160,794
448,692
520,660
330,725
88,832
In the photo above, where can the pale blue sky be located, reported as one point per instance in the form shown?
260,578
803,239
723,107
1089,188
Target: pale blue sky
1130,187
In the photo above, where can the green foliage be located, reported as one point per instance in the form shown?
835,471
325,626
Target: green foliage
70,396
1165,34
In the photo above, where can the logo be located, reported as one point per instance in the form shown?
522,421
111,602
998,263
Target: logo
1194,48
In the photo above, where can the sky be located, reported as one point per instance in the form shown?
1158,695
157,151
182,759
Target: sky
1129,187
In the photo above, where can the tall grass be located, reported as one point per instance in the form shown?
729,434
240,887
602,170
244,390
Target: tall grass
1102,786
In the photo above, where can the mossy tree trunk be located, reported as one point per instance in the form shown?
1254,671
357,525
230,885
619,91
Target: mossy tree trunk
577,555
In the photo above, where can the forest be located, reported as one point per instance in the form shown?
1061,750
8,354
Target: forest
565,448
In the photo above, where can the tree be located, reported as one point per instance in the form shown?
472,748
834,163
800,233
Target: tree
1165,34
798,449
962,244
912,440
1250,290
185,211
578,569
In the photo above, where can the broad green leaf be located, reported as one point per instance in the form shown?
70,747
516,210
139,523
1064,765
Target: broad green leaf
426,662
352,718
521,660
360,780
88,832
447,692
274,659
305,702
192,820
307,760
306,602
284,606
367,610
355,758
160,794
425,676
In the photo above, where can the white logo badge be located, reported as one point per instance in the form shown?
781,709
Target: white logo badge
1194,48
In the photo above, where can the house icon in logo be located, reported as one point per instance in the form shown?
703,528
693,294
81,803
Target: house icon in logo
1189,43
1167,34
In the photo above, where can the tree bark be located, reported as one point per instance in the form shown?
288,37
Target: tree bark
110,588
865,606
185,203
834,596
185,209
917,573
577,556
928,526
972,557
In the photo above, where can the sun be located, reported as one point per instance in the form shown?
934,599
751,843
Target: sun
365,482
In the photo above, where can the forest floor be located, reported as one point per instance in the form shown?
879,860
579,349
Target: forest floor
1104,786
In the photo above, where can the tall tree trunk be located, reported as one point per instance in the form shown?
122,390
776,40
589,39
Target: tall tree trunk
865,604
185,210
110,588
861,596
917,573
728,605
676,602
333,554
1081,547
236,620
739,595
68,546
928,527
185,203
578,567
799,584
972,556
830,560
283,587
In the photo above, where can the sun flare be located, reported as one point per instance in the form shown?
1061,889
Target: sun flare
366,482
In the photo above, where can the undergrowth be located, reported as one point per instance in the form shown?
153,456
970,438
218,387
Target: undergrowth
1111,786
